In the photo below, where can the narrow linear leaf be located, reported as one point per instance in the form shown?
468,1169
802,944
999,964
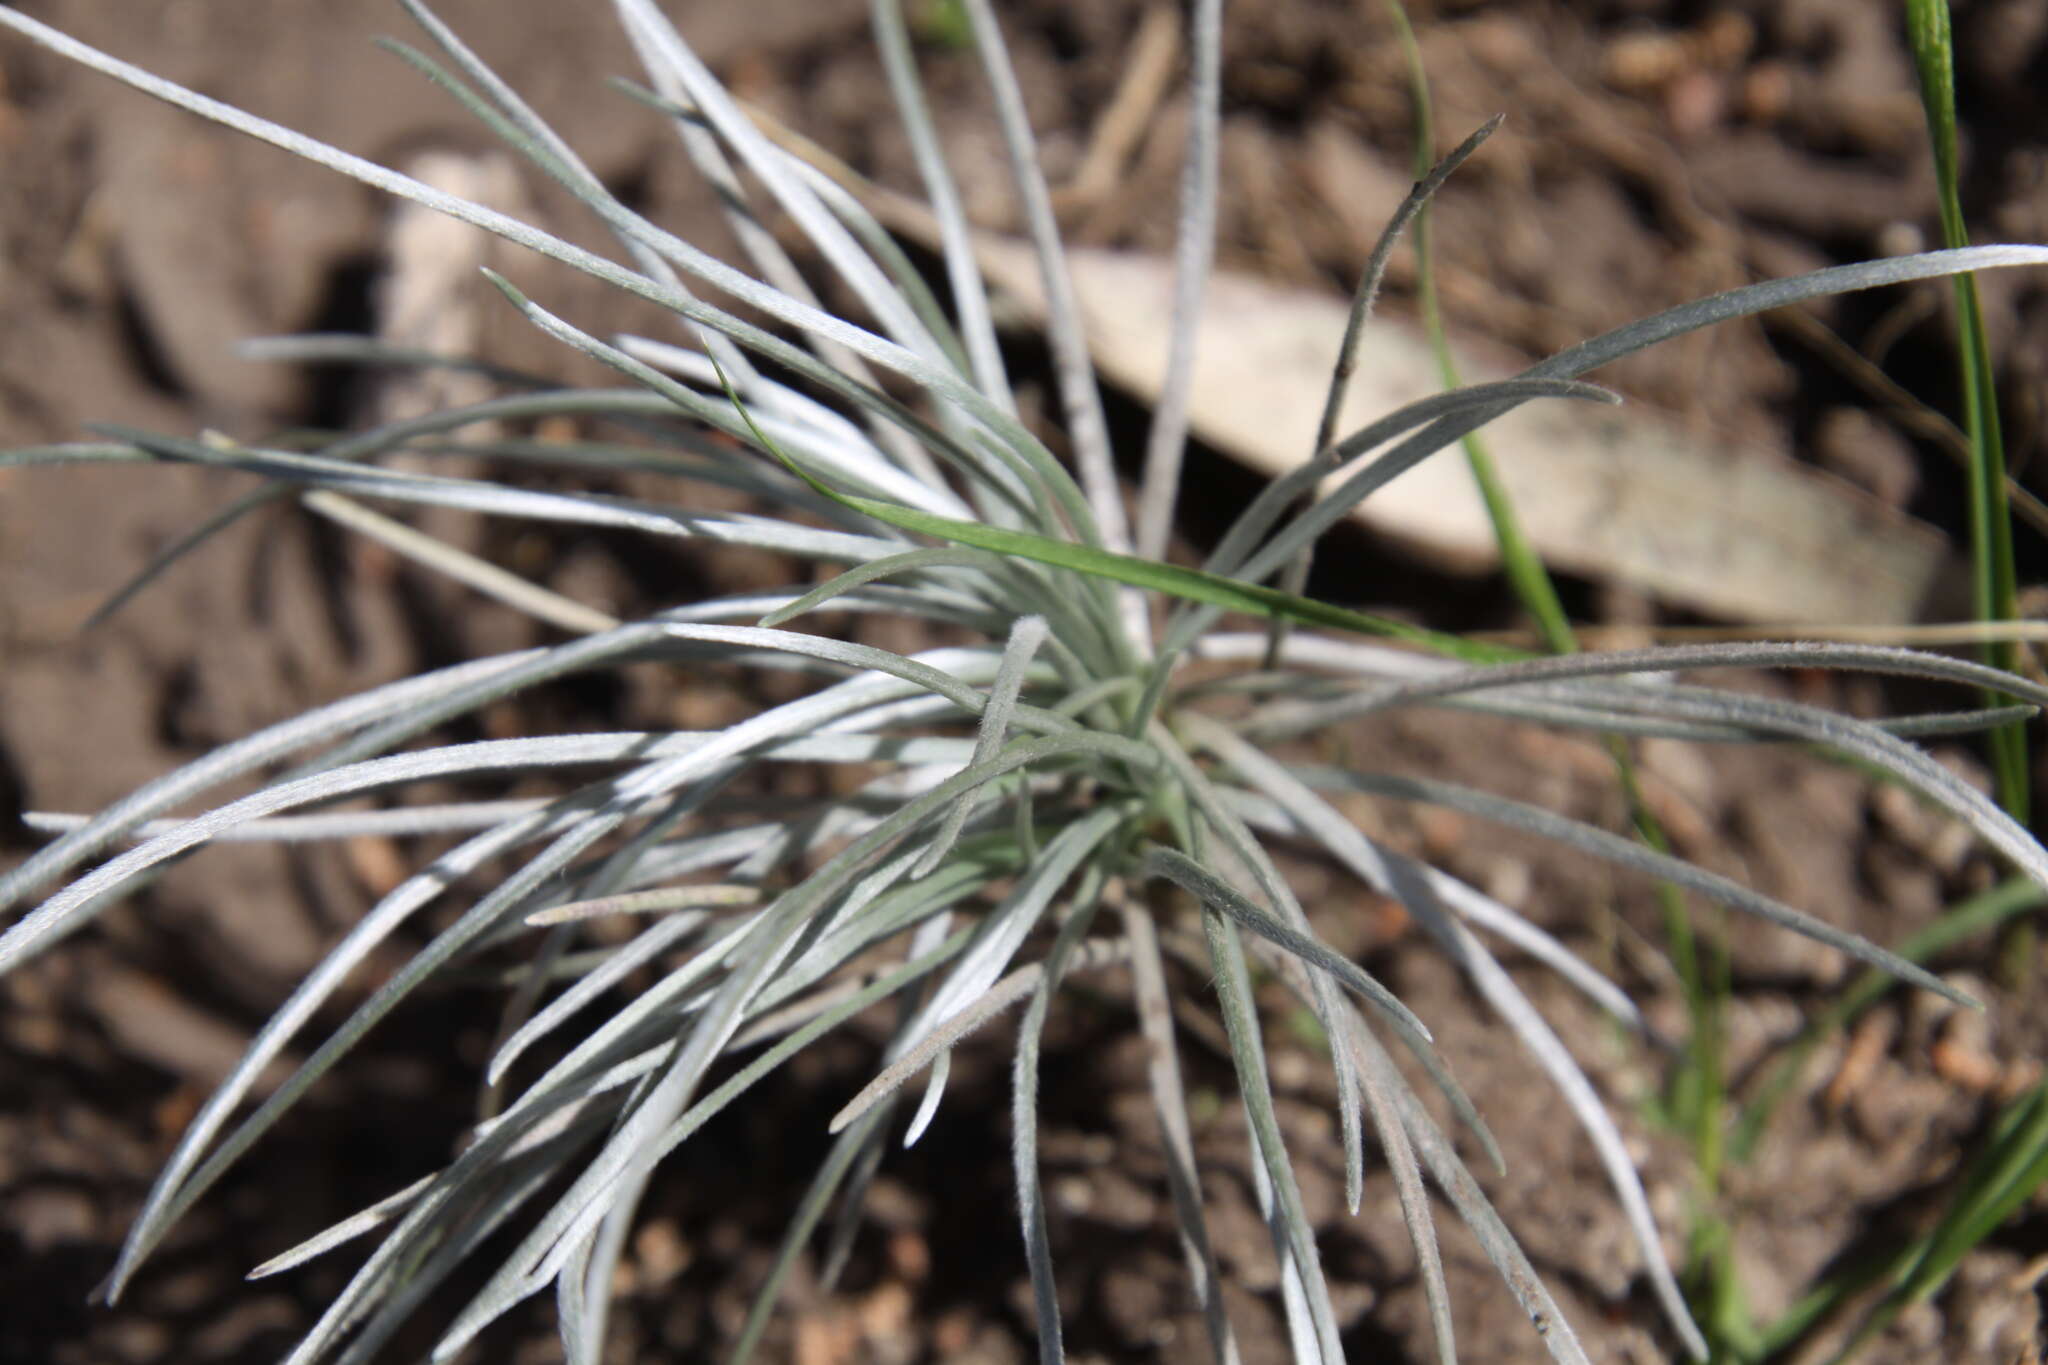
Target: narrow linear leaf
1198,881
1192,585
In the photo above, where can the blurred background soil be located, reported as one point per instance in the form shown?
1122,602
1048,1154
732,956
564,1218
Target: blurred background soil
1655,150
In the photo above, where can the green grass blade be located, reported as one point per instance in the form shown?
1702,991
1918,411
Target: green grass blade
1994,582
2006,1173
1192,585
1977,915
1525,570
1997,1182
1538,594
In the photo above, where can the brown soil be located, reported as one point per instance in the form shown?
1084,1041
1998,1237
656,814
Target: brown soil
1656,149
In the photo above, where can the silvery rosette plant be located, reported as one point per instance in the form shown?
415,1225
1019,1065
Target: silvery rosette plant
1055,799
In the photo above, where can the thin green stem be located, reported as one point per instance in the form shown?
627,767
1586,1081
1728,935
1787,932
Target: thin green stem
1993,578
1697,1088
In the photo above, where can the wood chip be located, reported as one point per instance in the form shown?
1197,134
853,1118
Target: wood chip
1866,1049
